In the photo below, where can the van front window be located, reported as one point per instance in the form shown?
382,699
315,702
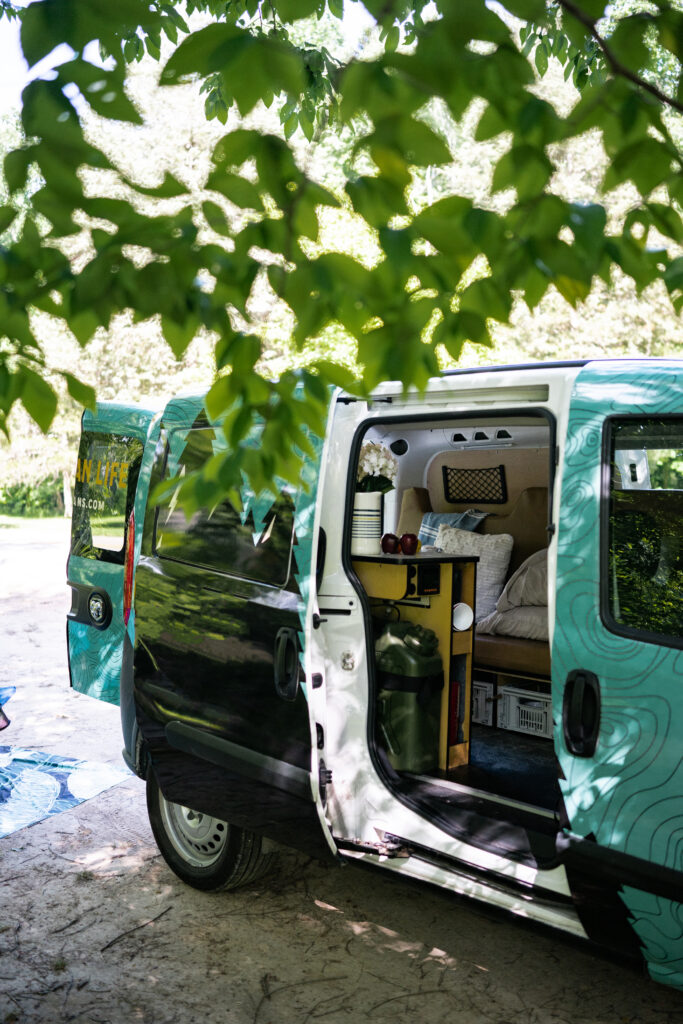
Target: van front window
644,538
106,475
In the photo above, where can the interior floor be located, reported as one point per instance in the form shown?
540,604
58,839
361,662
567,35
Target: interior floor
511,765
505,801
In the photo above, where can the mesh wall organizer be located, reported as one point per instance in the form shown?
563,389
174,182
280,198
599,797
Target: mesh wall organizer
486,486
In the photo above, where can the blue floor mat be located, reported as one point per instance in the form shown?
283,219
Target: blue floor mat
34,785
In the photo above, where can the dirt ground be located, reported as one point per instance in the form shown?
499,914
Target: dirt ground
95,928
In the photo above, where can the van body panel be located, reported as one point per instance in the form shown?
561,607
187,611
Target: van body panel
95,655
625,796
225,732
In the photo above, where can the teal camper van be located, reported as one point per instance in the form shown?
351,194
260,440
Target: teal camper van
474,678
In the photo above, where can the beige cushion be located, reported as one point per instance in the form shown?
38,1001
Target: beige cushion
494,557
528,622
414,504
527,586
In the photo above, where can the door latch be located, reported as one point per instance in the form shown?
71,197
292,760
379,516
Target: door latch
581,712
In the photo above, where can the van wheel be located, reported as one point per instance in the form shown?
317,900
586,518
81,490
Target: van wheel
204,852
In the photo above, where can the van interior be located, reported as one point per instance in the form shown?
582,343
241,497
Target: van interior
461,722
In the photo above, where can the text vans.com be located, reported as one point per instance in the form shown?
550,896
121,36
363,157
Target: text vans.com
91,503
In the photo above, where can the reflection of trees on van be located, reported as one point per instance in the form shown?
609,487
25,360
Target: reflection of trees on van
666,470
104,491
200,615
646,561
218,538
645,514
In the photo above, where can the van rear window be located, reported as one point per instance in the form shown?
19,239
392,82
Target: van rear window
104,490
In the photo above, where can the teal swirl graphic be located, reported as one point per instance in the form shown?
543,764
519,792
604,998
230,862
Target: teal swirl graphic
629,795
95,655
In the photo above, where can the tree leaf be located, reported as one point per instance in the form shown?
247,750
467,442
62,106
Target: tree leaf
101,88
527,10
217,219
541,60
7,215
666,220
16,165
524,168
293,10
673,276
37,397
647,163
488,298
83,325
492,123
238,190
179,335
82,393
251,66
169,188
237,147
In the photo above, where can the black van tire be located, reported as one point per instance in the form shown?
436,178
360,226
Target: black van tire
204,852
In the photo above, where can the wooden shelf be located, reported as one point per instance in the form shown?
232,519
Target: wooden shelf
393,578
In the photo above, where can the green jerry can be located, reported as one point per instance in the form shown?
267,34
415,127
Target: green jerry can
410,676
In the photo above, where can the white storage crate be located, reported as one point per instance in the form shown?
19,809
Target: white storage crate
525,711
482,702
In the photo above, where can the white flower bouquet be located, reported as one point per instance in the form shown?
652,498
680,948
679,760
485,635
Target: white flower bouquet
376,468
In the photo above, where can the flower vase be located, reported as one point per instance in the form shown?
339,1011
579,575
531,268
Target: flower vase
366,527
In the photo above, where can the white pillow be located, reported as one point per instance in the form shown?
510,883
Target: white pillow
493,551
529,623
528,585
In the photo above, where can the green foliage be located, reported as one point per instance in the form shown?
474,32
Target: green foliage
443,271
39,498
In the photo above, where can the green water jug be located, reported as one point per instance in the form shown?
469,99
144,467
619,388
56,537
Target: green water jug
410,675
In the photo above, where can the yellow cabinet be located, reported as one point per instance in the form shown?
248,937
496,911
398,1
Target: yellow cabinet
425,587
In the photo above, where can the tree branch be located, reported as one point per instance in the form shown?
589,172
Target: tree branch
617,67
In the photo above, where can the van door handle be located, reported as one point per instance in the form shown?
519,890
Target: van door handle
581,712
286,664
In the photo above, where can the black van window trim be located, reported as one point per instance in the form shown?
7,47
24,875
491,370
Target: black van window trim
289,583
383,771
647,636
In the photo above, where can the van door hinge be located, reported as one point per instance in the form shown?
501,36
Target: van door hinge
391,846
324,779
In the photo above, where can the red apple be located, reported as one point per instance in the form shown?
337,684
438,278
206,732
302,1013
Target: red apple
409,543
391,545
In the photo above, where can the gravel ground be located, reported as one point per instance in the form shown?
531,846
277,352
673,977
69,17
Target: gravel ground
95,928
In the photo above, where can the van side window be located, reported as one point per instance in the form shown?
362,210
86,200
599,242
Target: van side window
644,592
104,491
255,543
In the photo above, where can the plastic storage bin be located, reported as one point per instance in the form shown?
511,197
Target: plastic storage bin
482,702
525,711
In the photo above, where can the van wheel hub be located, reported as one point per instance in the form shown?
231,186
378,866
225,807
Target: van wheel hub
198,838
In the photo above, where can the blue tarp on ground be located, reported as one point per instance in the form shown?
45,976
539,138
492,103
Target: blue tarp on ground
34,785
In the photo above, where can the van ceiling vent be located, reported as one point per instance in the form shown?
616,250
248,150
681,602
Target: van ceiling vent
458,437
479,435
503,435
